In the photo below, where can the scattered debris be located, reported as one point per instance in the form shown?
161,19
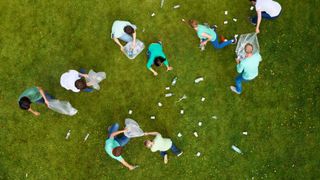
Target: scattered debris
181,111
225,22
130,111
167,88
225,12
198,80
153,117
159,104
168,94
251,8
195,134
68,134
235,20
214,117
203,99
176,6
162,2
200,123
245,133
179,134
174,81
198,154
153,14
183,20
143,30
182,98
236,149
26,175
87,136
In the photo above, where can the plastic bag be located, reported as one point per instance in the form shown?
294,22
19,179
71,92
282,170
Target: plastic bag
63,107
133,53
95,78
243,40
134,129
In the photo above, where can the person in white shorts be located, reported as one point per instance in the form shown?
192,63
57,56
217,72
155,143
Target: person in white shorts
266,9
124,31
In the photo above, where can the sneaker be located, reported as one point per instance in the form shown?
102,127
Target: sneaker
234,90
235,39
180,154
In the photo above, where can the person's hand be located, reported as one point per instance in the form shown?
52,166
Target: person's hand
125,130
169,68
133,167
46,102
237,60
133,45
155,73
204,43
36,113
165,159
257,30
122,48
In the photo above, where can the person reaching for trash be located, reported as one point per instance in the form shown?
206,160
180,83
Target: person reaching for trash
124,31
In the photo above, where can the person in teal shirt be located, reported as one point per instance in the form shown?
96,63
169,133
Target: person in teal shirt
247,68
207,34
114,145
156,57
33,95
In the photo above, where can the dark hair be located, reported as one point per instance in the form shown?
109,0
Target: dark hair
158,60
80,84
128,30
24,103
253,0
117,151
146,142
193,23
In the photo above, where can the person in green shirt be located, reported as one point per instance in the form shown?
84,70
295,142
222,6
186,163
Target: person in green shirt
207,34
114,145
157,57
161,144
247,68
33,95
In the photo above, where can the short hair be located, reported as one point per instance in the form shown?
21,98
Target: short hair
247,45
193,23
253,0
117,151
128,30
80,84
24,103
159,60
146,143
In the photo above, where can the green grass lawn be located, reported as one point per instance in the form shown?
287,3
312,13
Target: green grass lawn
40,40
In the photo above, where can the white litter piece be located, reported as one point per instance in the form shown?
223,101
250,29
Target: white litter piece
159,104
162,2
176,6
86,138
198,154
214,117
179,134
26,175
167,88
182,98
174,81
235,20
236,35
225,12
153,14
203,99
198,80
183,20
251,8
130,111
68,134
143,30
245,133
225,22
195,134
181,111
153,117
200,123
236,149
168,94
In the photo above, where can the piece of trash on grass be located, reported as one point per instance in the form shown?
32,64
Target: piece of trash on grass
153,14
143,30
251,8
200,123
167,88
179,134
26,175
245,133
159,104
168,94
195,134
225,22
198,154
174,81
153,117
162,2
183,20
130,111
214,117
236,149
199,79
182,98
181,111
86,138
203,99
68,134
235,20
176,6
225,12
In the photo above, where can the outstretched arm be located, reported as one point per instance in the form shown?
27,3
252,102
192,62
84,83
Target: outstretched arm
151,133
117,133
43,95
258,22
129,166
36,113
118,42
208,37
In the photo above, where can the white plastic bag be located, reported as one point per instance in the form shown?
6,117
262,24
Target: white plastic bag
134,129
95,78
63,107
245,39
133,53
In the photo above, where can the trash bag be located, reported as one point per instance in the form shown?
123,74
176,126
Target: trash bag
243,40
134,129
133,53
63,107
95,78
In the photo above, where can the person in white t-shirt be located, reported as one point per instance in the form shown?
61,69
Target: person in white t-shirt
266,9
124,31
75,81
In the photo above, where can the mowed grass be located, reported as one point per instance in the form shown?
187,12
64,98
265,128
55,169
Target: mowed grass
40,40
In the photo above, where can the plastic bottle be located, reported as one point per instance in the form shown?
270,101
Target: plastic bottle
85,139
195,134
236,149
169,95
174,81
68,134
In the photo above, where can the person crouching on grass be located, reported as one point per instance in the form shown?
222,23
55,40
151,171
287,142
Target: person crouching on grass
161,144
156,57
207,34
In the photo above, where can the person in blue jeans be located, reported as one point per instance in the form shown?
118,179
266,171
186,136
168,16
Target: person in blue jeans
207,34
247,68
161,144
115,143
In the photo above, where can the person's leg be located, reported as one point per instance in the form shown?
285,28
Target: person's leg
123,140
218,45
239,81
163,153
113,128
88,89
126,38
175,150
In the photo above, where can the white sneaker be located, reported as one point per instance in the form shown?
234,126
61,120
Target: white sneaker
234,90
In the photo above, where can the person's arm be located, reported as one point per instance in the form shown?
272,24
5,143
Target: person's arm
43,95
83,75
166,63
130,167
207,36
258,22
151,133
118,42
36,113
134,35
153,71
117,133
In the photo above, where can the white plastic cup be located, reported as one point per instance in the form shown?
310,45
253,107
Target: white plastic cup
195,134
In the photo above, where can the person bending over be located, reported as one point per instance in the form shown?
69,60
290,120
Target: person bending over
124,31
75,81
157,57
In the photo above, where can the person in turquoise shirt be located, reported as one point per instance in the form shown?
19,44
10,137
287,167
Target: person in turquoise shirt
114,145
207,34
33,95
247,68
157,57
